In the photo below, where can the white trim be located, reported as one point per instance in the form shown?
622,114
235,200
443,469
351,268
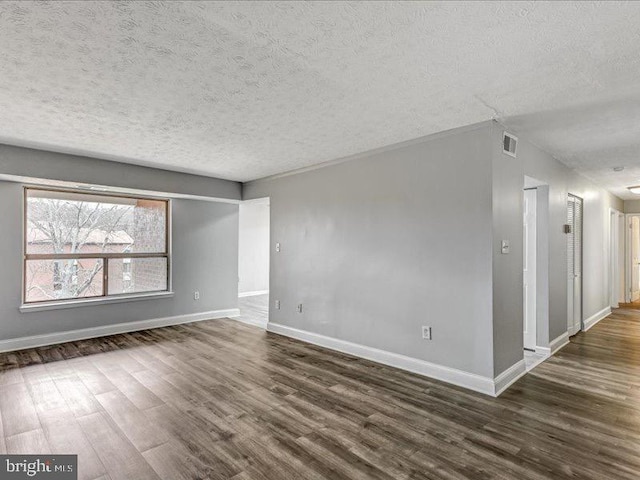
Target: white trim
44,182
116,328
546,351
86,302
593,319
461,378
253,323
628,258
509,376
553,347
542,358
266,201
614,255
558,342
253,294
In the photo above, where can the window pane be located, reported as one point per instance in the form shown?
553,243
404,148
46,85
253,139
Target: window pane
134,275
63,222
47,280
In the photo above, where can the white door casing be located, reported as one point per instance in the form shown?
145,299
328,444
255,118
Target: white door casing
616,229
635,258
529,268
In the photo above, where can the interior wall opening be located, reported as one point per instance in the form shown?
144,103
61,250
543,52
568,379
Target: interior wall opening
632,290
616,258
535,271
253,261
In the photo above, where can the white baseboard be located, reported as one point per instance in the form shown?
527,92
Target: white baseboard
253,294
555,345
546,351
558,342
248,321
461,378
104,330
509,376
593,319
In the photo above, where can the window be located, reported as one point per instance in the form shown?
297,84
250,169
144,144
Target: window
85,245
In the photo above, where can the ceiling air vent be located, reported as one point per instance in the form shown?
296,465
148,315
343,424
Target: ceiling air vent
509,144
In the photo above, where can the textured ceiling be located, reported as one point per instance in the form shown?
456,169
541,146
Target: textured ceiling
249,89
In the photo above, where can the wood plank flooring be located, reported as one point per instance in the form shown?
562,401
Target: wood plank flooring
223,400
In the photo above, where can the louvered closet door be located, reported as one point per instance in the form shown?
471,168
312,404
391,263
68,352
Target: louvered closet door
574,264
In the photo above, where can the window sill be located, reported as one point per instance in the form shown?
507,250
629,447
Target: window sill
62,304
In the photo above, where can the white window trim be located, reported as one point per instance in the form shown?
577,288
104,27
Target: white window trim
87,302
95,301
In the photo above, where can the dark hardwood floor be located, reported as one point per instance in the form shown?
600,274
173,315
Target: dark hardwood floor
220,399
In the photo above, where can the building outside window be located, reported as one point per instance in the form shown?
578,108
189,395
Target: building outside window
81,245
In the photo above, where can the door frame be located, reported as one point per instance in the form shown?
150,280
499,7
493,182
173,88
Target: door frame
533,249
571,328
542,262
627,256
616,254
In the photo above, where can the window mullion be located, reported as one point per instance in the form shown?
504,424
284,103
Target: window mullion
105,276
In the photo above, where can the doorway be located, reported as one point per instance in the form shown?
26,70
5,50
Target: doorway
253,261
529,268
574,264
535,270
633,259
616,258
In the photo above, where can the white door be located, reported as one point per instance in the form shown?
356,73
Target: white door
529,263
574,263
635,260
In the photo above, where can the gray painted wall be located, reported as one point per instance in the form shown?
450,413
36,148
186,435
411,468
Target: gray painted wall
507,187
596,282
380,245
631,206
40,164
374,247
561,181
373,250
205,253
508,176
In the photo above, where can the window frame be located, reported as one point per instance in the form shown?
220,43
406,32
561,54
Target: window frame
105,297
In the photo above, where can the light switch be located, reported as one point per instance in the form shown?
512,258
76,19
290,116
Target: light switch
505,247
277,247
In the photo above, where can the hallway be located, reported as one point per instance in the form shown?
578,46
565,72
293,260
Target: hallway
582,405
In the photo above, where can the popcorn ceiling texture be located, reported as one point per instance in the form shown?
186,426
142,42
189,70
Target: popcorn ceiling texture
249,89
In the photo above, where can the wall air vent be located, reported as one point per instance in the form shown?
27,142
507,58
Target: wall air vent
509,144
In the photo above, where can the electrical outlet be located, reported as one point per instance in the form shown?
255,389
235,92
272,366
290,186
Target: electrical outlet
196,295
277,304
426,333
299,308
277,247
